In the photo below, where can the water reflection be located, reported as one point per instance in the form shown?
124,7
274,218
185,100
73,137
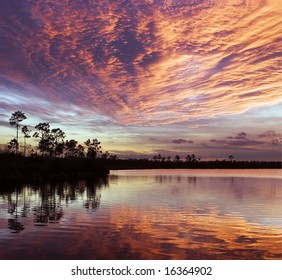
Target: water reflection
135,215
45,202
14,223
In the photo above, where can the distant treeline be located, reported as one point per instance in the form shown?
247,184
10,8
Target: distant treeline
216,164
56,158
52,143
15,167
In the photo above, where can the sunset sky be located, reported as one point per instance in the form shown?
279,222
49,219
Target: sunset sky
147,76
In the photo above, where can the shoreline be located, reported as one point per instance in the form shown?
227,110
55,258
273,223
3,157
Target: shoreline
17,168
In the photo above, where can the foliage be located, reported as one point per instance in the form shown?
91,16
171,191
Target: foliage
57,141
26,132
43,131
15,120
93,148
13,145
85,158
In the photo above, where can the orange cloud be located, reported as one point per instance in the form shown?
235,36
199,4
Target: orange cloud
152,62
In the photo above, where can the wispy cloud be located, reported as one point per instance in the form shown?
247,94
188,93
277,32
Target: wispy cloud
175,66
181,141
242,140
144,62
272,137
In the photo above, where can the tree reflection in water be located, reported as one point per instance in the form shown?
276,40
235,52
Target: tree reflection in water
48,208
169,214
93,198
14,224
46,201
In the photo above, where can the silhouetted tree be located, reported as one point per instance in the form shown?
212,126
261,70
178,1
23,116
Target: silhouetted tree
13,145
26,133
43,132
33,153
106,155
155,158
80,151
59,149
158,157
188,158
57,141
113,157
71,148
177,158
50,141
93,148
15,120
192,158
231,158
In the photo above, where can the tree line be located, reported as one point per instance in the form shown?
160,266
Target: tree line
52,142
189,158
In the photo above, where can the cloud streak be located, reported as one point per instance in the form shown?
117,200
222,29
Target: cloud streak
267,140
144,62
163,69
181,141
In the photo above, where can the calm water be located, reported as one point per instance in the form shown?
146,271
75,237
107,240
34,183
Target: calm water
147,214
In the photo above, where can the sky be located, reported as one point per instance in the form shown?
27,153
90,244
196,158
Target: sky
145,77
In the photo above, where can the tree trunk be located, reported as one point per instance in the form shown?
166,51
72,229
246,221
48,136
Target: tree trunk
17,148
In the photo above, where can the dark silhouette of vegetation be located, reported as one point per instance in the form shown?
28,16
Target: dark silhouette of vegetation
26,132
197,164
16,167
13,223
13,145
57,142
192,158
33,169
58,158
43,133
51,142
177,158
15,120
73,150
47,208
231,158
93,148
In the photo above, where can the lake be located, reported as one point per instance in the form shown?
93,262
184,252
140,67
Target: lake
146,214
